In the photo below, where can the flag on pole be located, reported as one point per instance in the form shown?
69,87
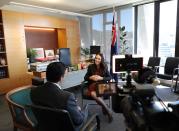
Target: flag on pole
113,47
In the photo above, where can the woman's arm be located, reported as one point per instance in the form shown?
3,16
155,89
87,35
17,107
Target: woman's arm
90,77
88,74
107,76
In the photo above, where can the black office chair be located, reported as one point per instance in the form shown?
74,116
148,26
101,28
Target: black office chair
84,96
36,81
50,119
171,71
153,63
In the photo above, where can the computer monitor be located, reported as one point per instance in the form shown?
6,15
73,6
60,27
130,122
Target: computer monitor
94,49
123,63
127,64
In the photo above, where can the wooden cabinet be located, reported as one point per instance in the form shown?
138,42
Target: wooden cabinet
4,73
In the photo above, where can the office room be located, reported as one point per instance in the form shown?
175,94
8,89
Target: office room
89,65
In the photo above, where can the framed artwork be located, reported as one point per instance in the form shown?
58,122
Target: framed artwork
49,53
39,53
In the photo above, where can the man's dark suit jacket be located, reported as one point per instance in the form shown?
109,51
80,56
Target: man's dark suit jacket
52,96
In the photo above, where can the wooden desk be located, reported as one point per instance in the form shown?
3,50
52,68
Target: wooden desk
73,78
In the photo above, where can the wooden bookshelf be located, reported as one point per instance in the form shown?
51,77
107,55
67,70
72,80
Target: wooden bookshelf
4,73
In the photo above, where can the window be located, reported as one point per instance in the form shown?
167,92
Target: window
97,29
108,36
145,24
167,29
126,20
102,29
109,17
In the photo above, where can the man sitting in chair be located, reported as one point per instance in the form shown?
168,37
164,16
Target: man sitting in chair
50,94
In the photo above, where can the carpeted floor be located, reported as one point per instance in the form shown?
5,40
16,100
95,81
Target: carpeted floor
164,93
6,123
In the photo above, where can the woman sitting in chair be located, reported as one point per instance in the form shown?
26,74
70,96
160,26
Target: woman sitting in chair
98,72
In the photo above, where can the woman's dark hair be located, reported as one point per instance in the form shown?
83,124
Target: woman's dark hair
55,71
103,66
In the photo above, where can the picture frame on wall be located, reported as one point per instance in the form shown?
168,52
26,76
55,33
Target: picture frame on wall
39,53
49,54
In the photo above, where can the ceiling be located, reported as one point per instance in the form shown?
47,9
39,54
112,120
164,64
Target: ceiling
77,6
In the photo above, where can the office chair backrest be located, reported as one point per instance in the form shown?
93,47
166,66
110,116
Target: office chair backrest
36,81
154,61
170,64
65,56
17,99
50,119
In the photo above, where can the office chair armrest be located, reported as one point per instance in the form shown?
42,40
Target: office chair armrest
160,66
89,121
154,68
174,72
157,67
22,113
83,85
174,105
84,82
43,107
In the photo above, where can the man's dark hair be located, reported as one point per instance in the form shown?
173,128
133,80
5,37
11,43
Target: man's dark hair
55,71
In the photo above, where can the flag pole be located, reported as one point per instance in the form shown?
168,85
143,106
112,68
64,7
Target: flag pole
113,46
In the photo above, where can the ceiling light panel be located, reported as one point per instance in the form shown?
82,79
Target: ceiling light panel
21,5
77,6
47,1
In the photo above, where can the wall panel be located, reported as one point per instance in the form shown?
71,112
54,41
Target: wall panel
14,23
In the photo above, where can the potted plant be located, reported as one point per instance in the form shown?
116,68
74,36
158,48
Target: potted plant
123,46
31,54
123,41
85,52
